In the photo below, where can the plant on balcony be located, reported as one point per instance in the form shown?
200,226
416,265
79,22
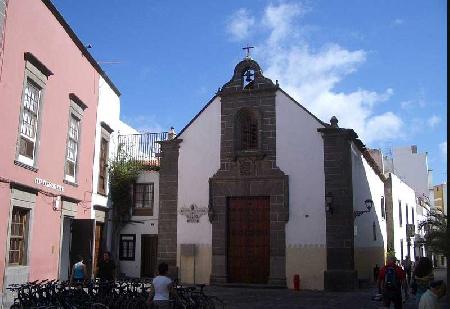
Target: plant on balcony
436,237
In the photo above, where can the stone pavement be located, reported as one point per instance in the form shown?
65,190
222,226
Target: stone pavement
260,298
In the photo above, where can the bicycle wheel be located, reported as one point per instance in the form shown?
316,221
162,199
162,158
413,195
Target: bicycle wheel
98,306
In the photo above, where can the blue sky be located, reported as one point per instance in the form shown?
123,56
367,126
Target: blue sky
379,66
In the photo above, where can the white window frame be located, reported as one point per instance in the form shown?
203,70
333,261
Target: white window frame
22,158
75,140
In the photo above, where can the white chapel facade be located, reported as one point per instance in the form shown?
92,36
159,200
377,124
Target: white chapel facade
256,189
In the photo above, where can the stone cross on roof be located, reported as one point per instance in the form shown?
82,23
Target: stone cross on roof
248,50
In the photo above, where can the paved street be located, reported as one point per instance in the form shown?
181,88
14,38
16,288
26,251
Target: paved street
283,298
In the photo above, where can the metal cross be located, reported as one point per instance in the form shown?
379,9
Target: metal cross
248,50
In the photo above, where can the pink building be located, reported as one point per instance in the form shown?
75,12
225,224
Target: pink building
49,89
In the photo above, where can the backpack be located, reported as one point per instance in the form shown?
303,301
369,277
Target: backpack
390,279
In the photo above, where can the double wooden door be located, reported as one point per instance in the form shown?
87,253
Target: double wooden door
248,255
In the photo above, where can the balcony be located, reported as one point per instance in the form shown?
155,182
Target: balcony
142,147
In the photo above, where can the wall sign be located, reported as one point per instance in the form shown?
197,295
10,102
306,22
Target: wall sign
48,184
193,213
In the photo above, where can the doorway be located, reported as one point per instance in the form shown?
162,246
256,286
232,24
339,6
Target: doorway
64,264
248,255
149,246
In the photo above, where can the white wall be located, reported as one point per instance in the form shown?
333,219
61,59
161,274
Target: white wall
300,156
108,111
142,225
199,159
367,185
412,168
402,193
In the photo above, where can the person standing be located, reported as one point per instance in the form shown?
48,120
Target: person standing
79,273
391,280
429,299
106,268
161,288
407,265
422,277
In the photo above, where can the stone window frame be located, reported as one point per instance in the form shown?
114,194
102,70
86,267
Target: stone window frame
24,213
144,211
122,242
37,74
256,115
105,136
76,110
25,200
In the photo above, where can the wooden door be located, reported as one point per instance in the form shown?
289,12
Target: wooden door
149,246
248,255
98,244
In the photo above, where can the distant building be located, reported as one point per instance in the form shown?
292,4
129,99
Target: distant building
412,168
440,197
440,202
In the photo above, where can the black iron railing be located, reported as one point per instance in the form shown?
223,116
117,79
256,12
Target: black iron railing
142,147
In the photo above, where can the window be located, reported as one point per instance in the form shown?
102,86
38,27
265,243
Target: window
36,75
407,214
374,230
103,158
127,247
18,237
412,215
72,148
401,249
73,138
400,213
104,147
247,131
143,199
383,210
28,126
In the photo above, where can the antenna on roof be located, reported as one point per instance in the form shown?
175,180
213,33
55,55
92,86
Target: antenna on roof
109,62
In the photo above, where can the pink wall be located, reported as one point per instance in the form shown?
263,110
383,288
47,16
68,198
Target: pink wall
31,27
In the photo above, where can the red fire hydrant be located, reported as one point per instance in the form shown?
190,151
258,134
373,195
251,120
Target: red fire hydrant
296,282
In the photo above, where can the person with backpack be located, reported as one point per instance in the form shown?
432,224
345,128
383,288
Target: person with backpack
391,280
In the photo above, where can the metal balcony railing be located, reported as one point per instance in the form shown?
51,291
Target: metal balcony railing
142,147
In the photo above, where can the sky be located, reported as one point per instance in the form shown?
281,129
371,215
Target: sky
379,66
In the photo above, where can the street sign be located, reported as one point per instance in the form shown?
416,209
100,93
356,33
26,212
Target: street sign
410,230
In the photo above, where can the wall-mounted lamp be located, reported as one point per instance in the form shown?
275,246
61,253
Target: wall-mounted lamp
329,202
368,203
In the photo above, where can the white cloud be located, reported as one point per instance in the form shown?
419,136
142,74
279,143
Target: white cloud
443,148
239,25
311,76
278,19
433,121
398,21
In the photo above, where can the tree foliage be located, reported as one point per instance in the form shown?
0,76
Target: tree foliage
436,236
123,172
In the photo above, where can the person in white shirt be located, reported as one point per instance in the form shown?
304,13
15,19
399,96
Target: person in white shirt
429,299
161,288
